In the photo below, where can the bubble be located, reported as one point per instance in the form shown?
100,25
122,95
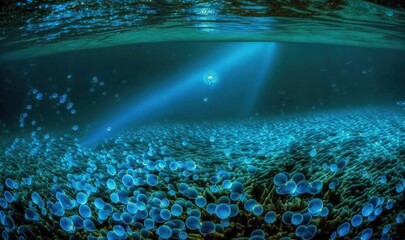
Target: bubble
31,214
371,217
383,179
400,218
8,223
219,228
342,163
131,208
235,196
375,201
223,210
77,221
9,183
62,98
176,210
333,183
38,96
81,198
258,210
200,201
290,187
356,220
193,223
135,236
286,218
190,165
324,212
250,204
387,228
69,105
306,232
257,232
300,230
262,238
207,227
211,208
313,152
99,203
367,209
270,217
149,223
377,211
234,210
103,214
114,198
57,209
214,179
127,180
225,222
152,180
111,184
333,167
85,211
385,236
306,218
54,95
280,179
119,230
303,186
165,214
399,188
4,234
210,78
252,169
36,198
66,224
343,229
111,169
3,203
65,201
205,99
75,128
183,235
297,218
315,206
297,177
89,225
366,234
390,204
316,186
389,13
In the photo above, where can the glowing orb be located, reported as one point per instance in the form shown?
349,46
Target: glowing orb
210,78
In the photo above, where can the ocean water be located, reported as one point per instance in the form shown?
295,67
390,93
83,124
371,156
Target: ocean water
202,120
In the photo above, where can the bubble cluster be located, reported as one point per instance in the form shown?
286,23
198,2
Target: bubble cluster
212,181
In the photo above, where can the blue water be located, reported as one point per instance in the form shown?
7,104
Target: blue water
210,120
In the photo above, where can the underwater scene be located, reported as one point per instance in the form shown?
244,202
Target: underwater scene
202,119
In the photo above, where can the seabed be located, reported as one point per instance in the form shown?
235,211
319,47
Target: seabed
325,175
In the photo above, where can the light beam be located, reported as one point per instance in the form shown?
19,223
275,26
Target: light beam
160,99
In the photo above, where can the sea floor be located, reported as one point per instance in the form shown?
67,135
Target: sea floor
337,174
